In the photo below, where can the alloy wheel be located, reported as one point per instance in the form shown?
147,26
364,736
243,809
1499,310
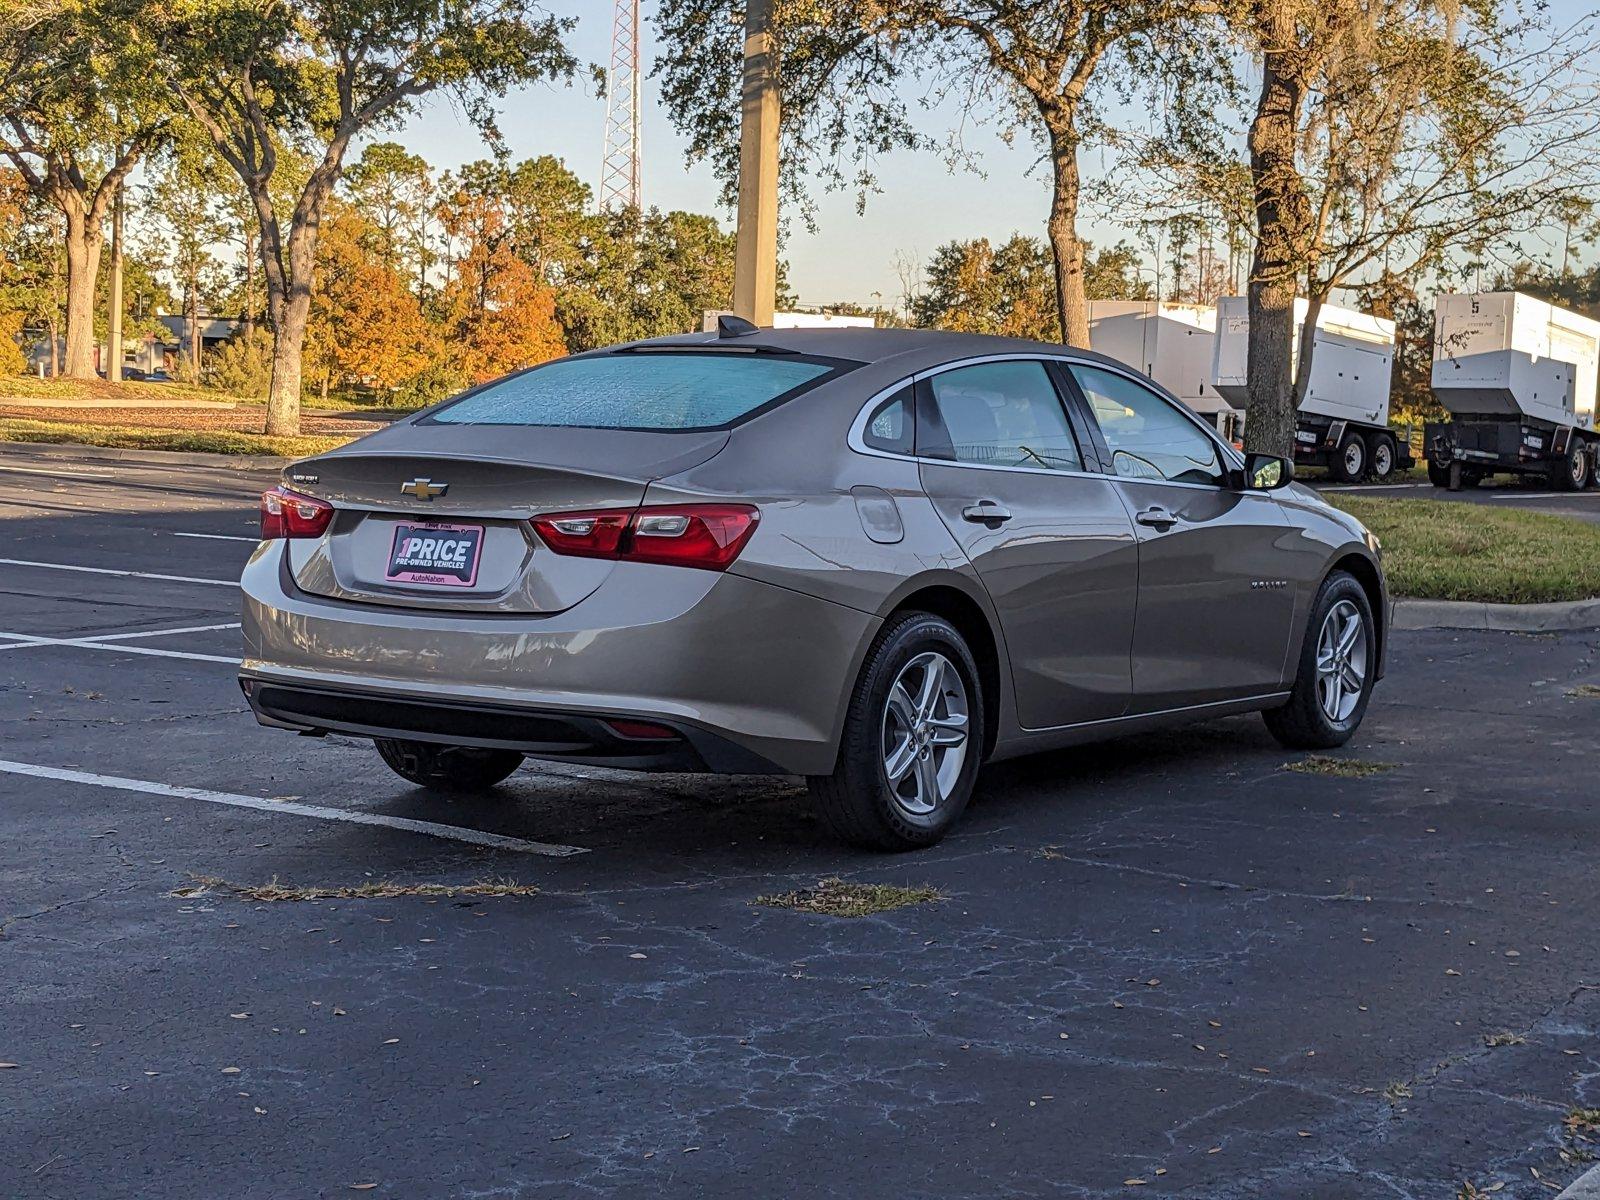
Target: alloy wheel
925,733
1341,661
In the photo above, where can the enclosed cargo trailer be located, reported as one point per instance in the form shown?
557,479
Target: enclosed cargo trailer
1518,376
1343,420
1169,342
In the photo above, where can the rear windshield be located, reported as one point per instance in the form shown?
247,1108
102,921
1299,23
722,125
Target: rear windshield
639,391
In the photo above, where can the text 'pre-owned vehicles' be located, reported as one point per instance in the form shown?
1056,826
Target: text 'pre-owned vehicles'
874,558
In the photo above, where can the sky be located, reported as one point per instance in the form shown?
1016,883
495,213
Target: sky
851,256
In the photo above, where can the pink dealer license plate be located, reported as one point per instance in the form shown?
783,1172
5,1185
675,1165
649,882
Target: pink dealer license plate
435,553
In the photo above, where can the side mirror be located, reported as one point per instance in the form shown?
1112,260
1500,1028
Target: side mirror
1267,472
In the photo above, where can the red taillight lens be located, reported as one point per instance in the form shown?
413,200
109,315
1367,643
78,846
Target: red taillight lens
587,535
286,514
707,536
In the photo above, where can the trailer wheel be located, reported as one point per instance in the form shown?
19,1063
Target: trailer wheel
1383,456
1571,474
1349,463
1438,474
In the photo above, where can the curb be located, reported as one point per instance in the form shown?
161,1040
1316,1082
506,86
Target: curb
1584,1187
77,452
1558,617
99,402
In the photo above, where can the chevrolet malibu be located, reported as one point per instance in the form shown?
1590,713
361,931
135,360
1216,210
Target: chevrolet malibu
874,558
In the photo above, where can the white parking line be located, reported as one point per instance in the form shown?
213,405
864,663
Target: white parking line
24,562
1371,487
144,633
90,474
218,537
22,641
1536,496
475,837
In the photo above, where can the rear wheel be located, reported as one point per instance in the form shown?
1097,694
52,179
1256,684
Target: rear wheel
1338,666
1383,457
1571,474
913,740
1350,460
1438,474
447,768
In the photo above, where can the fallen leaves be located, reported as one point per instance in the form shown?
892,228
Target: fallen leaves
834,897
273,891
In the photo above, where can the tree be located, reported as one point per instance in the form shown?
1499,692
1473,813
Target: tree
394,192
32,270
183,202
1010,290
498,313
366,325
1386,134
1038,60
79,113
255,73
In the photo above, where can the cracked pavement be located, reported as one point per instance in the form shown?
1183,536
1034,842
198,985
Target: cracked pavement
1161,959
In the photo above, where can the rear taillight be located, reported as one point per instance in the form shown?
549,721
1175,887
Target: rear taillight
707,536
286,514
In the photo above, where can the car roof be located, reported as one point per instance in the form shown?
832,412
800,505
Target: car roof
912,349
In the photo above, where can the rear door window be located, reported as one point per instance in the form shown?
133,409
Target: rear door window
1000,414
653,390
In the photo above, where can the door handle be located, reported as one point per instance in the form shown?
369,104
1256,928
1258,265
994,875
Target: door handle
1157,518
984,511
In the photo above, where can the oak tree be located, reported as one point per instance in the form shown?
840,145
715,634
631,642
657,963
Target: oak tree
318,73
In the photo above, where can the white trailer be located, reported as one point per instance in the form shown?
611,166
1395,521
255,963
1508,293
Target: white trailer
1518,376
1172,344
792,320
1343,421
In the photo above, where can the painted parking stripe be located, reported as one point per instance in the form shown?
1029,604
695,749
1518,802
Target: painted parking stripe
79,474
1537,496
22,641
475,837
1371,487
149,633
219,537
24,562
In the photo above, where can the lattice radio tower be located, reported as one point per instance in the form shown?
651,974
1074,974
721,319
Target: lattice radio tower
619,167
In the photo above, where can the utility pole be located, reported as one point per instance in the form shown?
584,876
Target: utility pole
755,275
114,317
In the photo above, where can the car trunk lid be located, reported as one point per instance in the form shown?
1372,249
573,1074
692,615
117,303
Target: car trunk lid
448,528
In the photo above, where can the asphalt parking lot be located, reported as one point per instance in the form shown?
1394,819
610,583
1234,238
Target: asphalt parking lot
1164,964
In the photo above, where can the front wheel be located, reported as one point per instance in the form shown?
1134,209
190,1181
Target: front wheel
913,739
1438,474
1338,666
447,768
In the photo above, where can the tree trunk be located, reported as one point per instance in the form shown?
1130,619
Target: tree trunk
1283,219
248,316
283,401
1065,246
83,266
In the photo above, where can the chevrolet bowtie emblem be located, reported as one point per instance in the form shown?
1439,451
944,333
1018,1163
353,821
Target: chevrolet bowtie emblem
424,489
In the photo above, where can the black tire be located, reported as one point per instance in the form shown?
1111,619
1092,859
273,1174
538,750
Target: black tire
1303,723
857,801
1438,474
1382,456
1349,461
447,768
1571,474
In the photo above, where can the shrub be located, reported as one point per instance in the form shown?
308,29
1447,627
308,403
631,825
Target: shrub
242,365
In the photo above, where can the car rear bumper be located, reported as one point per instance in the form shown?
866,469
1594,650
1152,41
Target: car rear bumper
750,677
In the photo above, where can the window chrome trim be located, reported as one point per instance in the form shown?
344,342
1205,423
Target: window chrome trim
856,440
